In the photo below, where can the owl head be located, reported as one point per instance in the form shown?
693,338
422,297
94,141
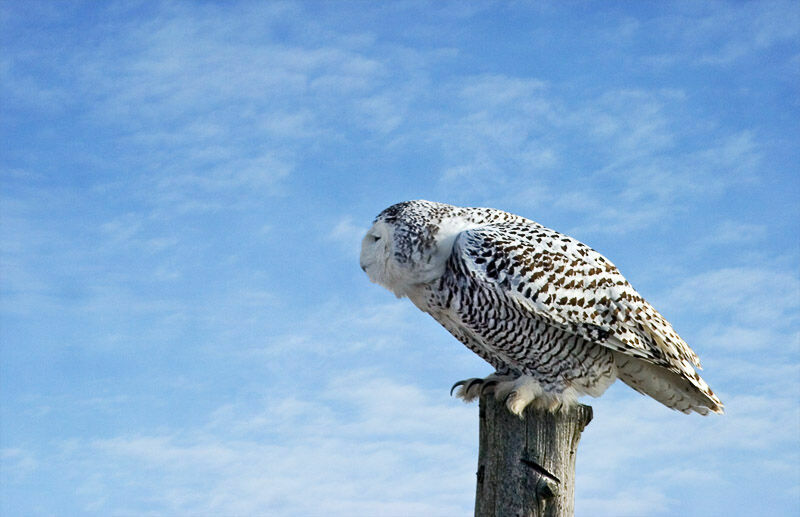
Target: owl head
409,243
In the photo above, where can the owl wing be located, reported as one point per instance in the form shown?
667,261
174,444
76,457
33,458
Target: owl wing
572,287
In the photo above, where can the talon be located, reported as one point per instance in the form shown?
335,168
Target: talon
486,385
471,384
456,385
511,394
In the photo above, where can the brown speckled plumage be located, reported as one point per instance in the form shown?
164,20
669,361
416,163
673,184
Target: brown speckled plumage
547,311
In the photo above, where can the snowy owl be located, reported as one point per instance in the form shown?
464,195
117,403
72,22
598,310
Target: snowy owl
554,318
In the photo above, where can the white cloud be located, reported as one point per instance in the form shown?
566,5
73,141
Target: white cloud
721,34
519,135
499,92
737,232
672,452
347,234
749,345
754,29
624,503
733,336
382,113
199,111
205,108
337,454
17,463
751,296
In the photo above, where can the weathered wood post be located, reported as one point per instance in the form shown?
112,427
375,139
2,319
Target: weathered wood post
526,466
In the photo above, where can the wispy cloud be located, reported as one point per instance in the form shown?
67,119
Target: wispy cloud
626,503
16,463
738,232
509,135
720,34
185,327
751,296
347,234
701,448
204,108
756,30
333,454
500,129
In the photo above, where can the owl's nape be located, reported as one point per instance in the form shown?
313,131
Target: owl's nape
538,305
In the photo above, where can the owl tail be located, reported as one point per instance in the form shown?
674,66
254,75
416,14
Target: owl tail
671,389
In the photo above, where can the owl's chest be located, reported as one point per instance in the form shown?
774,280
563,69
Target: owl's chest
461,301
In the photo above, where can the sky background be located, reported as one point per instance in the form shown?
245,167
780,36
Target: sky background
184,185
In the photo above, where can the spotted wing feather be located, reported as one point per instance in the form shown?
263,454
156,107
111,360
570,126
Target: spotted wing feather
574,288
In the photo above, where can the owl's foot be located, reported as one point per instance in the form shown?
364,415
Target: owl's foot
470,389
519,393
525,390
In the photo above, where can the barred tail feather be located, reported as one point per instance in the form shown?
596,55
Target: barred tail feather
671,389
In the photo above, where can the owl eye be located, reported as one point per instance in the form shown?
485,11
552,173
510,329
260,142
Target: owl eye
375,238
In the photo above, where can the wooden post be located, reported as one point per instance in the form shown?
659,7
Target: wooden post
526,466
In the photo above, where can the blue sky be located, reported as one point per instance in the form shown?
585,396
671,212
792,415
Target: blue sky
186,331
